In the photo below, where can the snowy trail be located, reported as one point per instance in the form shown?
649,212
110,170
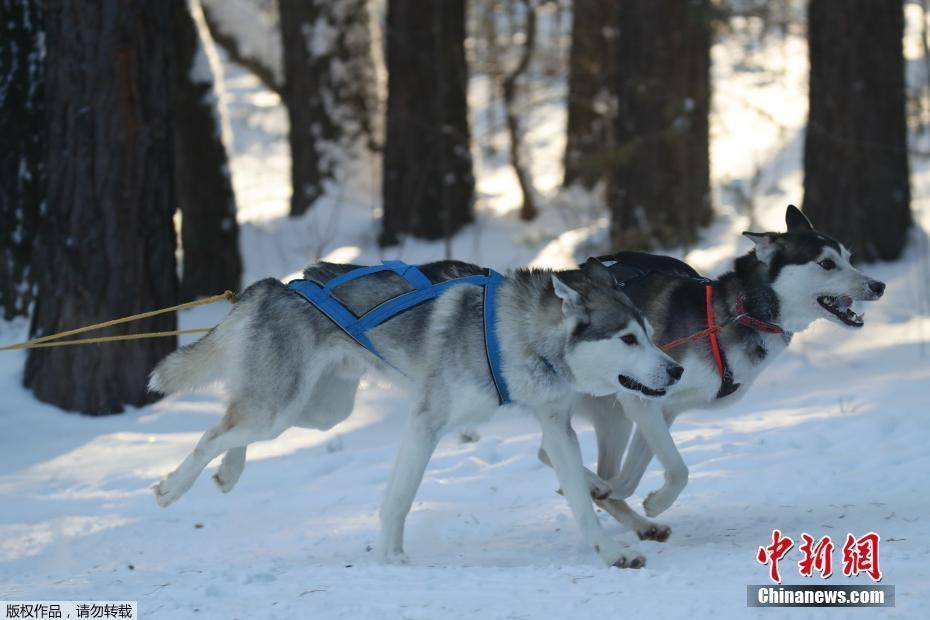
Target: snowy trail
832,439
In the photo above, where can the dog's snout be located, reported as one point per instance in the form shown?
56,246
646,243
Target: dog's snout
877,287
675,372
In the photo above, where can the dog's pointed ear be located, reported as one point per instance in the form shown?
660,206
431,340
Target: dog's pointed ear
765,244
797,221
572,302
598,273
563,291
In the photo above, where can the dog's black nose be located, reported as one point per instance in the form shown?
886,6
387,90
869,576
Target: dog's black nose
877,287
675,372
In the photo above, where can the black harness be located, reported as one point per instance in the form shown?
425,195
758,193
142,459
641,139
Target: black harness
629,267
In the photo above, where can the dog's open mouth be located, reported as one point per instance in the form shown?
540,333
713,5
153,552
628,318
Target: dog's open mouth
841,307
634,385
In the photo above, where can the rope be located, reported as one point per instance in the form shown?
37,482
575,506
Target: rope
43,341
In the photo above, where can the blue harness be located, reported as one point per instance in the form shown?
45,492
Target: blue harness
356,327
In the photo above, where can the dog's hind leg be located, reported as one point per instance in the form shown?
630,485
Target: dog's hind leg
413,455
330,402
226,435
230,469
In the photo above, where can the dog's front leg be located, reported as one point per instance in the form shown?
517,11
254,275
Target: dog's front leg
561,445
635,463
613,431
651,423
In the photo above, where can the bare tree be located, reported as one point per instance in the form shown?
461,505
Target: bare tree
428,185
591,104
528,207
659,189
106,248
209,231
855,150
22,154
329,83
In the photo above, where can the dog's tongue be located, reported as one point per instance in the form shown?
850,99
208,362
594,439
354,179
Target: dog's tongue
843,302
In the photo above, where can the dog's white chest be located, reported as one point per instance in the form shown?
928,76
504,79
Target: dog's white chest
701,382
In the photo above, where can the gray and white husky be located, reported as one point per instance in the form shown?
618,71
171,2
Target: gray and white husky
788,280
286,364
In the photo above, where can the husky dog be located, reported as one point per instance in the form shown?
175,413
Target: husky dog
286,364
780,287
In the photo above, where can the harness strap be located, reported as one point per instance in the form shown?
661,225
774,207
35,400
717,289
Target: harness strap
424,290
335,311
727,386
410,273
392,307
712,333
744,319
491,343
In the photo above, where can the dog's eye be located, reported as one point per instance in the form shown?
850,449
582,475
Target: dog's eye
827,264
629,339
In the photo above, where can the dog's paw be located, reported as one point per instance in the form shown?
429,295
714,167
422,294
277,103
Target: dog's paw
654,531
634,560
172,488
165,494
657,502
599,488
397,558
616,554
223,485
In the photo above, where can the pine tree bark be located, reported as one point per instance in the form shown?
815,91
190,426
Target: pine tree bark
106,248
22,148
659,190
428,184
591,104
329,79
855,150
209,231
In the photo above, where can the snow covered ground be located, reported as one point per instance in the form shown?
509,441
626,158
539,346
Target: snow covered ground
833,439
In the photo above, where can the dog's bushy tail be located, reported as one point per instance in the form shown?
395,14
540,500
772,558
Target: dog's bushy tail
192,366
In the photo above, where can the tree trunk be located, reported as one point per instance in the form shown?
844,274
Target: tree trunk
591,104
528,209
209,232
855,152
659,191
250,33
329,80
428,183
106,248
22,148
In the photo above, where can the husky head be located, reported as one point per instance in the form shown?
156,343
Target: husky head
811,275
610,346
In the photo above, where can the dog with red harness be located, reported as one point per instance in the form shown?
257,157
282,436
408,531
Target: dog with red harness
724,332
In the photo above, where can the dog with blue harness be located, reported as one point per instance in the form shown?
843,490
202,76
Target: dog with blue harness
465,341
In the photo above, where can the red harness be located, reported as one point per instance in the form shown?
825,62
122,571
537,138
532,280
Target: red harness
742,317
